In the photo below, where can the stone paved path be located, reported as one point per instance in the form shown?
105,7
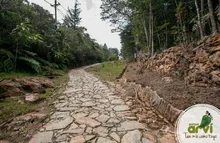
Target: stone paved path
90,112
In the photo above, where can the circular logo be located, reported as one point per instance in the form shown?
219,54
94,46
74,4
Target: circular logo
199,124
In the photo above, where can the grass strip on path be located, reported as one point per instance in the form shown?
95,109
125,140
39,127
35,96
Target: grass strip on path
108,70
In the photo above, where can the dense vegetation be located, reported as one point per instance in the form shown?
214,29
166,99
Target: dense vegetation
154,25
31,40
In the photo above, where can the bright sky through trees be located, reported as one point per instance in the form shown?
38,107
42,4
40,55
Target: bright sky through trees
98,29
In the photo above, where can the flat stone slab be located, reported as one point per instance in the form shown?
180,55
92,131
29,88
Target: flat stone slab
59,124
104,140
94,115
88,104
102,131
79,115
117,101
132,137
115,136
78,139
102,118
130,125
59,115
88,121
42,137
121,108
74,131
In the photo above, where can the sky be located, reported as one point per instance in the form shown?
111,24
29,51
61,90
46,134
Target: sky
91,19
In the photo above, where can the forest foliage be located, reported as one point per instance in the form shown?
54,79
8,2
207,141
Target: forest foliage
32,41
151,26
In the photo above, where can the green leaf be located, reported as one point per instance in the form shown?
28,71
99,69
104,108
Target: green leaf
35,65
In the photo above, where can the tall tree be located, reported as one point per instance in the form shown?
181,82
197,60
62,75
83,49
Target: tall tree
72,19
199,19
212,17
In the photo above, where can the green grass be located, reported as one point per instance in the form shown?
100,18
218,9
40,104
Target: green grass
11,108
11,75
47,94
109,71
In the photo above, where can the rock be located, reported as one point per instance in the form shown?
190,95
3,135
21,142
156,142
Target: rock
59,115
64,109
102,118
62,138
78,139
74,131
133,137
79,115
73,126
130,125
94,115
59,124
103,100
89,130
32,97
88,121
121,108
145,140
15,87
89,137
117,101
8,88
115,136
102,131
167,79
88,104
105,140
30,117
113,121
42,137
28,85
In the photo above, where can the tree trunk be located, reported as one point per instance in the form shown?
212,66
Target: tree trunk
166,36
199,19
152,51
145,31
152,29
146,35
16,57
158,37
212,17
202,19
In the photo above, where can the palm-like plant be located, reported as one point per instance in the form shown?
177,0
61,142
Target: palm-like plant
23,37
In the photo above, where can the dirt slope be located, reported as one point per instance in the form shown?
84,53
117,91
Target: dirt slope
183,76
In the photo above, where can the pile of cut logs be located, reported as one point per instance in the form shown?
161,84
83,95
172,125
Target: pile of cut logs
198,63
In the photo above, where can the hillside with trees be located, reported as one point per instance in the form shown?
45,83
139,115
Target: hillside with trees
151,26
32,41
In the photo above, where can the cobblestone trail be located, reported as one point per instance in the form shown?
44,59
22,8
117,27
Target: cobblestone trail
90,112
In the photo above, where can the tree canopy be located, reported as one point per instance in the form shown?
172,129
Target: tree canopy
31,41
154,25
